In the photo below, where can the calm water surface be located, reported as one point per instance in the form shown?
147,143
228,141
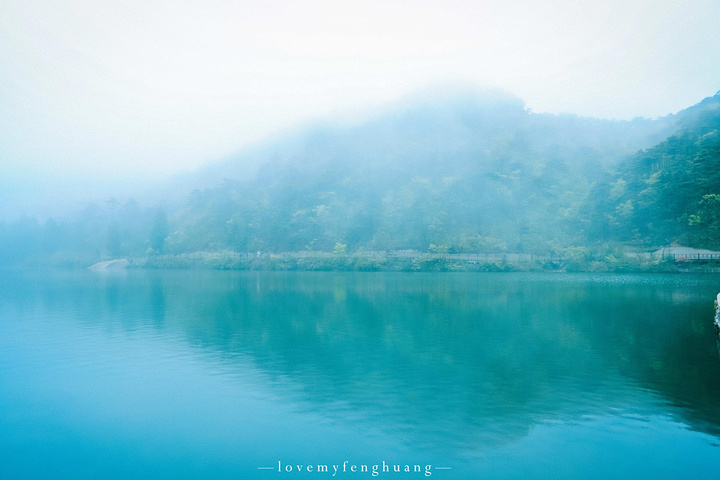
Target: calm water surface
216,374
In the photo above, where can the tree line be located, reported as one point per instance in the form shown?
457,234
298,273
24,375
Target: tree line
465,177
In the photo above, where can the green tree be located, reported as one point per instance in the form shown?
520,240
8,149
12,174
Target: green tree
707,221
159,232
114,242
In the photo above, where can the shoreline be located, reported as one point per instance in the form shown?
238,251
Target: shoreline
427,262
571,261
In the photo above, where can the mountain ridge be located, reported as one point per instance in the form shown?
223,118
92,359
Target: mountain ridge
456,174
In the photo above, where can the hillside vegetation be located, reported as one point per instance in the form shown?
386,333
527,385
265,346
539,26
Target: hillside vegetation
461,174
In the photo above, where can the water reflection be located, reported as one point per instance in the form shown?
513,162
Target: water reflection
449,362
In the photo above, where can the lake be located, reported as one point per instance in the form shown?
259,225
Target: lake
283,375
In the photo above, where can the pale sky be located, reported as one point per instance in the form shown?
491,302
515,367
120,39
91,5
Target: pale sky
116,88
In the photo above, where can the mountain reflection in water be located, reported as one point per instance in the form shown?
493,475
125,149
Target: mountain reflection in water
453,364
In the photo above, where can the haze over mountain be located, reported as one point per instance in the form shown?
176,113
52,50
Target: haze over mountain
669,192
464,172
97,100
466,160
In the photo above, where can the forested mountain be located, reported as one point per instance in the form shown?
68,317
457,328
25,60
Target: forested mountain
667,193
470,173
465,173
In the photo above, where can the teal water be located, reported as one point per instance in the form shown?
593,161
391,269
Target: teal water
218,374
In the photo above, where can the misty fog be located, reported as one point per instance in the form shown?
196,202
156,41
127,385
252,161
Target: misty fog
464,128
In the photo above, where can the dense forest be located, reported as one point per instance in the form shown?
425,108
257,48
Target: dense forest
667,193
461,174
